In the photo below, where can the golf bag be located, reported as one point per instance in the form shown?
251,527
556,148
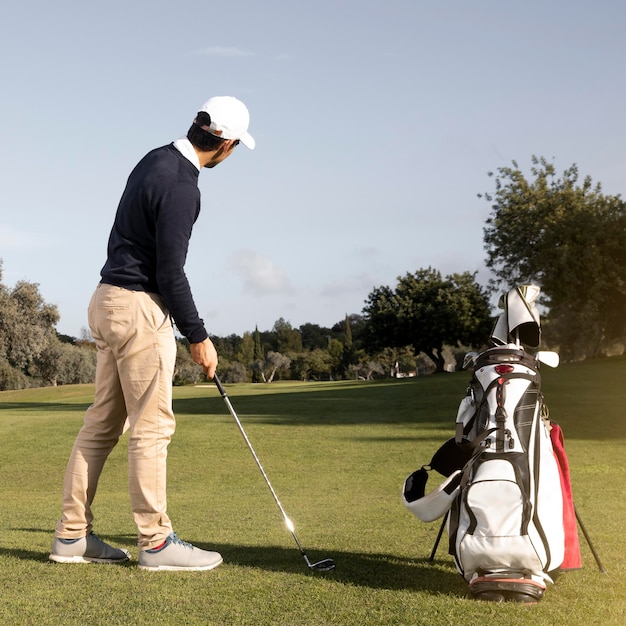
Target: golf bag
503,496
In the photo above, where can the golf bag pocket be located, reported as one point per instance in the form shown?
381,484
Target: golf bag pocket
494,501
491,518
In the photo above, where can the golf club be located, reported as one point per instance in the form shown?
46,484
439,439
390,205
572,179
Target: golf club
325,565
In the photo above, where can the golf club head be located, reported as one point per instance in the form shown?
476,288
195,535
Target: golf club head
325,565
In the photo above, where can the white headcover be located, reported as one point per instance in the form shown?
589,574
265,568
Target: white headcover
520,321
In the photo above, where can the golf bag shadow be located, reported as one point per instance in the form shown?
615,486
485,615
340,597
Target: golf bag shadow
506,498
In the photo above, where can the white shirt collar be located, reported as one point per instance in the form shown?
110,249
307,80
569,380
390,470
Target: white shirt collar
183,145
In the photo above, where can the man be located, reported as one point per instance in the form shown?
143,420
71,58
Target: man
143,288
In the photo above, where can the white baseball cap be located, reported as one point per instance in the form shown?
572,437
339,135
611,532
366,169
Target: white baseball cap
229,119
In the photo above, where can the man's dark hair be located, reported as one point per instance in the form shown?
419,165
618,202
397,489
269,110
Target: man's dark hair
200,138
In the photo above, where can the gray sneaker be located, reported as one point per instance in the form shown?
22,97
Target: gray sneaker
89,549
178,555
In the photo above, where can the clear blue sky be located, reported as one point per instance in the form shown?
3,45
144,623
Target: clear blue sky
376,124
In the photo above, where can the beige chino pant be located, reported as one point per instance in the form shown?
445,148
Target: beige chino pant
135,365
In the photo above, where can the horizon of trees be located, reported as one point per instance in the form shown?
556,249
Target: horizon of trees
351,348
567,237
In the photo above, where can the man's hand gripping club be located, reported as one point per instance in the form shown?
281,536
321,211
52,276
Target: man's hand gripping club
205,355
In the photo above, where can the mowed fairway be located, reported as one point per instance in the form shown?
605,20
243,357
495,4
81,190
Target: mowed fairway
337,454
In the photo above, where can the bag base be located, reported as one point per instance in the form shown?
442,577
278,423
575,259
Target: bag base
492,589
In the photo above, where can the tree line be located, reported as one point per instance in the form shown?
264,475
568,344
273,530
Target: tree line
555,231
427,325
438,320
32,353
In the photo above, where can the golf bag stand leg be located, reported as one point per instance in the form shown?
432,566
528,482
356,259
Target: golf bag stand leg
439,534
589,543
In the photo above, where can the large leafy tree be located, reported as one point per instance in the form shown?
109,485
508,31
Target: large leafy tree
427,311
26,324
568,237
65,363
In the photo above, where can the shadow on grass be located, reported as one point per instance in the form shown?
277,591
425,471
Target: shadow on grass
376,571
127,541
45,407
381,402
427,402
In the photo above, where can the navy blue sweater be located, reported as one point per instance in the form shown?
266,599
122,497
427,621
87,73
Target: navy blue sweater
150,236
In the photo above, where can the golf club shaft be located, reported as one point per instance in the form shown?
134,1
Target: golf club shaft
288,522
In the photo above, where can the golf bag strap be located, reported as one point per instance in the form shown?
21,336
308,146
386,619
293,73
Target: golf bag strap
467,468
454,518
462,431
474,444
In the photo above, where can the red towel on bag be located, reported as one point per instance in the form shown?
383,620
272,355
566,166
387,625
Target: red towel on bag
571,559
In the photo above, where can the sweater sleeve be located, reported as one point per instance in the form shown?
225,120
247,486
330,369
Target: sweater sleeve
177,213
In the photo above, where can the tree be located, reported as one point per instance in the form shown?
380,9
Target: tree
47,363
227,346
233,372
397,362
186,372
10,378
568,238
287,338
314,336
26,324
366,368
313,365
335,352
258,359
426,312
275,362
245,350
348,352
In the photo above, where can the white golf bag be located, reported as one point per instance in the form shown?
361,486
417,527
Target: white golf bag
503,497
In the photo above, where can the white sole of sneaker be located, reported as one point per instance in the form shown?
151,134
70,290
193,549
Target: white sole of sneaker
176,568
82,559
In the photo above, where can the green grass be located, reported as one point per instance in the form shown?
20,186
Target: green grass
337,455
